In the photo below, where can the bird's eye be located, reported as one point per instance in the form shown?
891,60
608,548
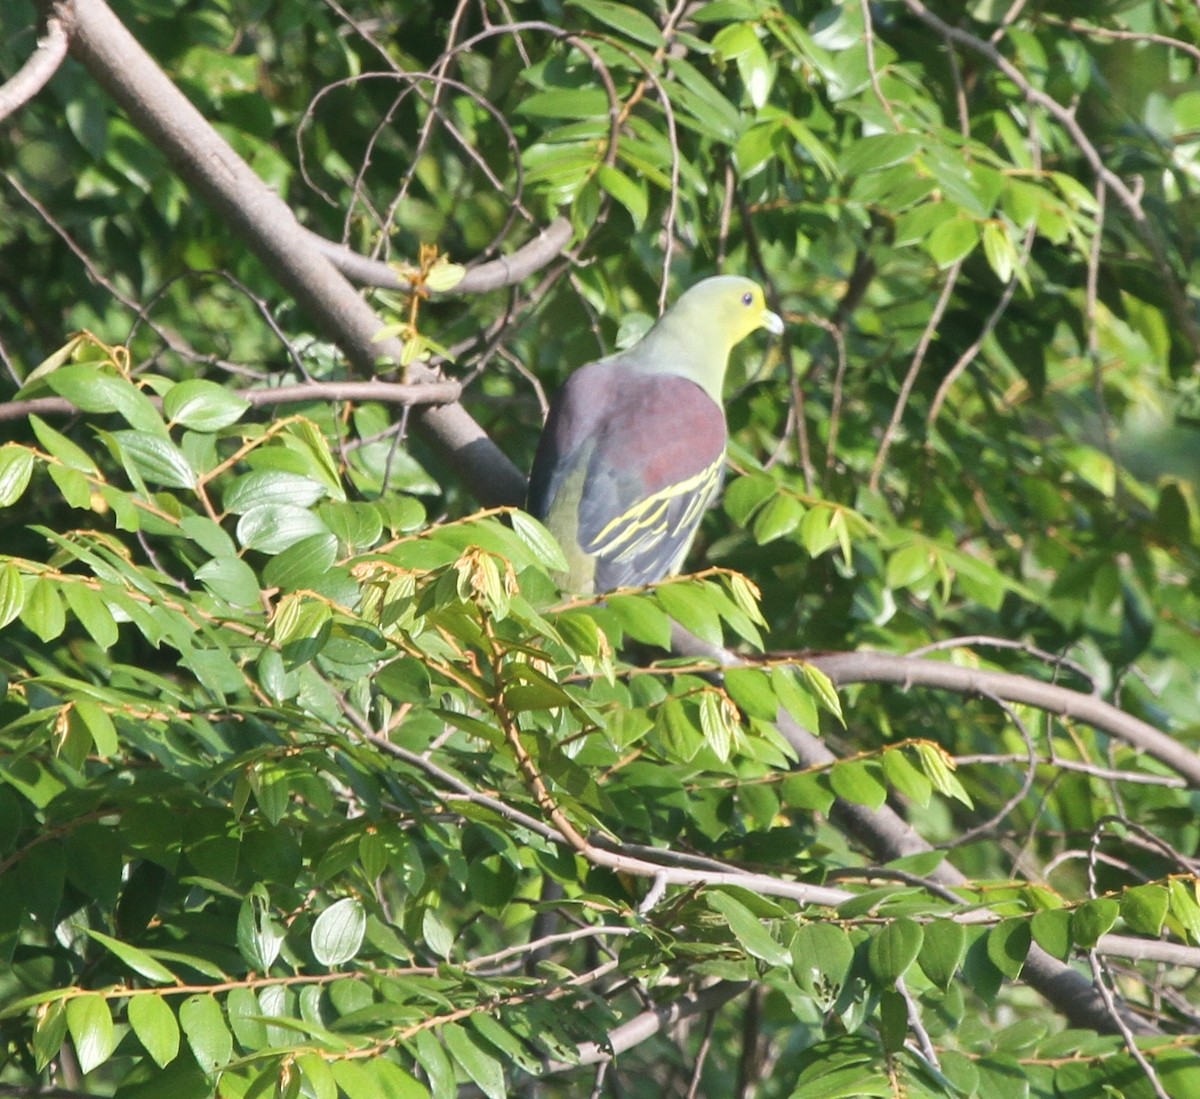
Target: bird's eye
747,298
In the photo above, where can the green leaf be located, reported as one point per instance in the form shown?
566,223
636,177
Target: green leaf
908,565
202,405
751,689
622,17
754,938
273,486
93,613
355,1080
1008,944
93,389
272,528
682,736
1051,930
952,240
642,619
778,517
1144,908
479,1063
319,1081
49,1032
822,689
155,458
630,194
134,957
906,778
12,593
688,603
338,932
432,1058
542,544
822,956
154,1024
857,781
204,1026
60,447
1092,919
259,935
878,151
231,579
894,948
942,951
99,727
16,469
90,1023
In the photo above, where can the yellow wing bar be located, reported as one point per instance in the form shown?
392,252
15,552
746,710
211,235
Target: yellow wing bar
646,523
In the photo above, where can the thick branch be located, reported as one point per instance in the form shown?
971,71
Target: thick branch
889,836
907,671
649,1023
42,64
207,162
493,275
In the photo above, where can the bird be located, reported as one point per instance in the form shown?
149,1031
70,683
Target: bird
633,448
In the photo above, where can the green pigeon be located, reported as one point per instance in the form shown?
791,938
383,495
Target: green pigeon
634,446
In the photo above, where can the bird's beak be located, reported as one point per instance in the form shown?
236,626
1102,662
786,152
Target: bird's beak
772,322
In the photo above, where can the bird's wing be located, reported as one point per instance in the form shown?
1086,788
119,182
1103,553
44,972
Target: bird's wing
656,465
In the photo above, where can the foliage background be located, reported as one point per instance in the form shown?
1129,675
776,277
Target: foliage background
311,782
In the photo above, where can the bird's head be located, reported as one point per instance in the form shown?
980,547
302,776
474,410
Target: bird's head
695,336
729,307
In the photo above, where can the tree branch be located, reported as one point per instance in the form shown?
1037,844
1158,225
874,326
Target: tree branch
422,393
207,162
40,66
889,836
906,671
530,258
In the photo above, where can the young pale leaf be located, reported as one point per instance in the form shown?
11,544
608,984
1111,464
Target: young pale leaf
716,725
154,1024
755,939
12,593
338,931
203,1023
823,689
90,1023
16,469
542,544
